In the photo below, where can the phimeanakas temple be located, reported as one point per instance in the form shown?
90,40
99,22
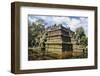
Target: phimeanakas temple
61,43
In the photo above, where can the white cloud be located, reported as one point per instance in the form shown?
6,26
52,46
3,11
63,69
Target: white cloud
43,17
31,20
61,20
73,24
84,24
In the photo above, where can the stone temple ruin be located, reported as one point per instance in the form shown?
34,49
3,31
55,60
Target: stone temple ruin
61,43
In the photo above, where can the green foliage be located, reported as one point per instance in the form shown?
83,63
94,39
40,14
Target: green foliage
79,33
84,41
35,32
81,37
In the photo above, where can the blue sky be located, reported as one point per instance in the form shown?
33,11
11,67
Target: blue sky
68,21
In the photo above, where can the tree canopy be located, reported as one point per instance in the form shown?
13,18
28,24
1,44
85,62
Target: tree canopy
81,37
35,31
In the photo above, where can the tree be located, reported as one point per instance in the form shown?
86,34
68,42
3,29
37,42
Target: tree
82,40
81,37
35,30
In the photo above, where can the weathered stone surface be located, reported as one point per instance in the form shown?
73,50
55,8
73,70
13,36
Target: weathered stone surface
61,44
